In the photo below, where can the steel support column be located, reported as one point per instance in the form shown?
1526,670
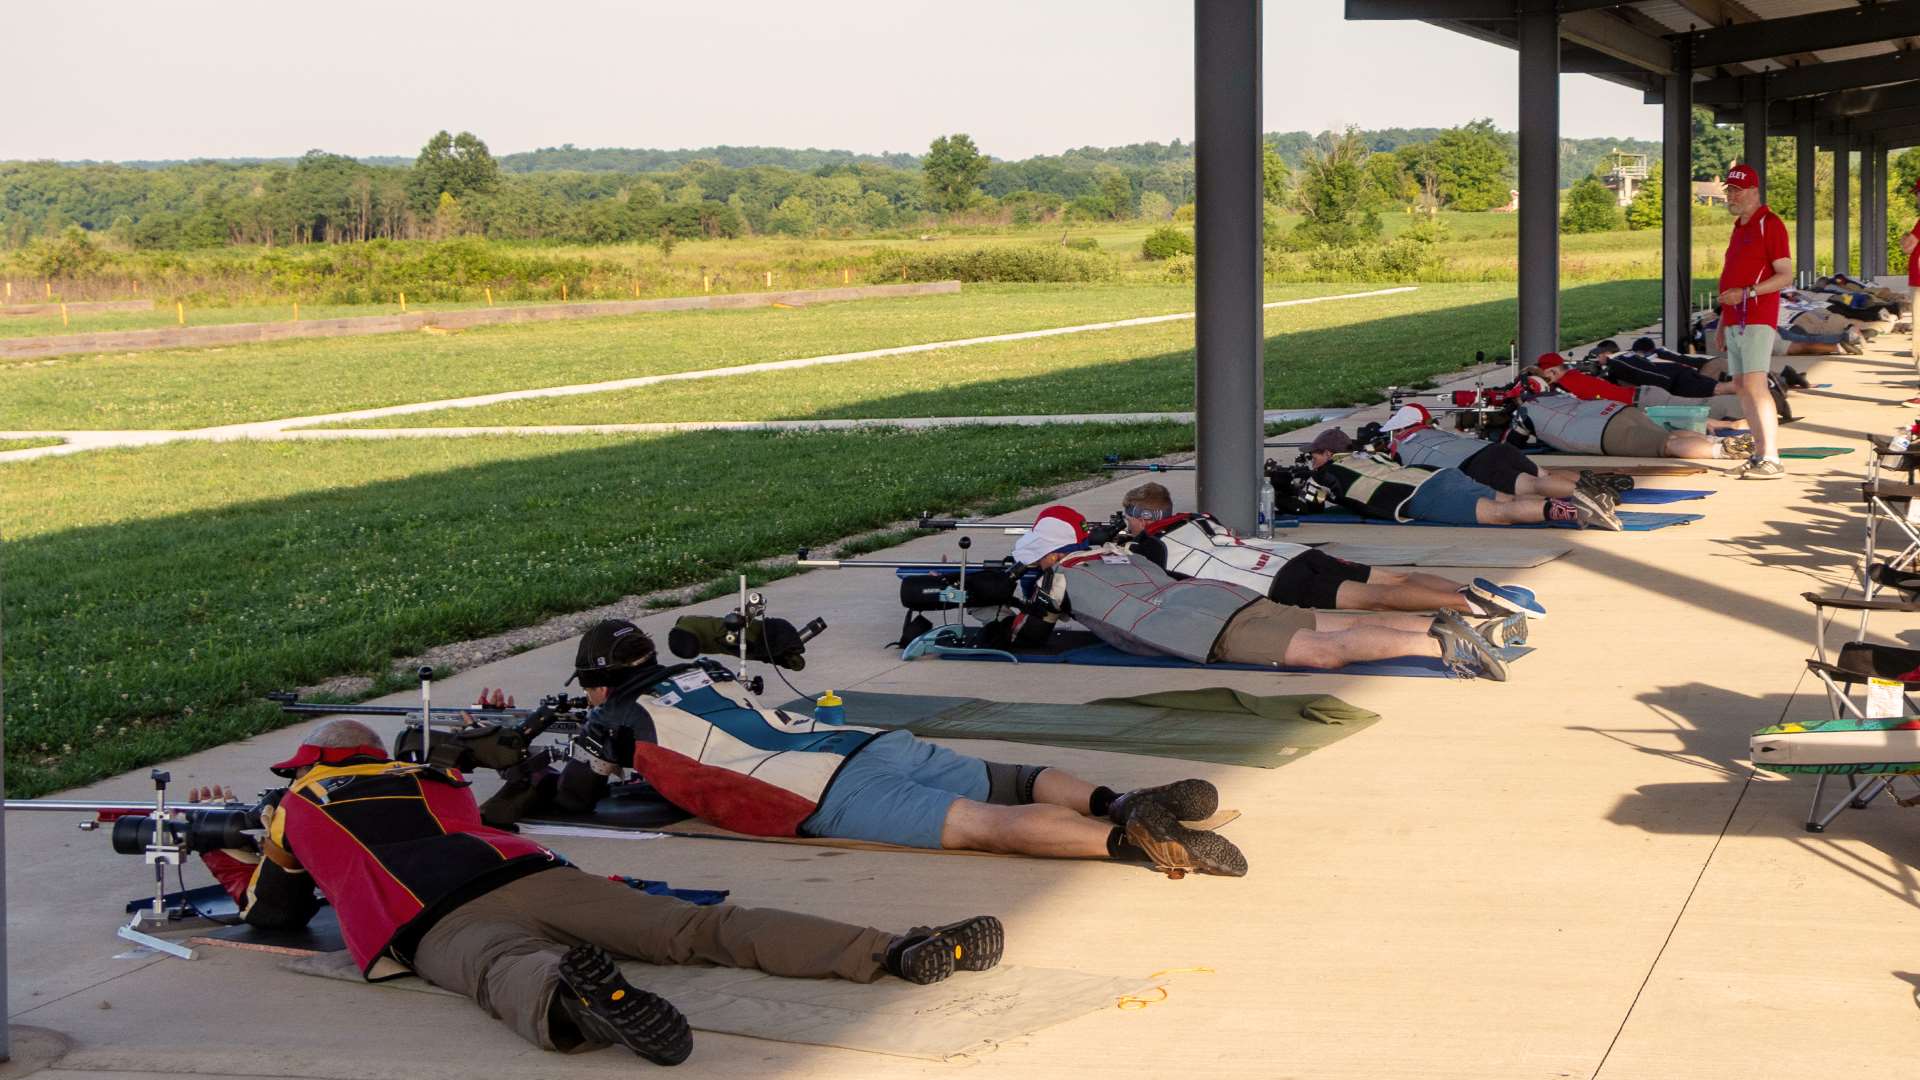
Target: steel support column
1676,200
1879,210
1869,180
1842,195
1754,131
1803,195
1229,339
1539,181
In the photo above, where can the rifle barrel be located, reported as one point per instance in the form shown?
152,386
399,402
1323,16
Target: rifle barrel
85,806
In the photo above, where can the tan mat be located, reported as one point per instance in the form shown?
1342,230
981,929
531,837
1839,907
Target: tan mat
1628,466
1469,555
968,1014
700,830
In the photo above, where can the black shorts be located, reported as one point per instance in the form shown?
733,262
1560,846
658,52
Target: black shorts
1498,466
1312,579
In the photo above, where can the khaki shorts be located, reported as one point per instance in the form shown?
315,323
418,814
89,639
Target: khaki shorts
1632,433
1260,632
1750,349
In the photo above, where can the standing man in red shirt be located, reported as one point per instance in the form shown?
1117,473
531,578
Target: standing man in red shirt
1757,267
1908,243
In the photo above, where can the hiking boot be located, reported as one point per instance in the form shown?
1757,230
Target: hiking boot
1500,633
1490,600
1796,379
1780,406
1464,651
608,1009
928,954
1737,446
1763,469
1187,800
1177,850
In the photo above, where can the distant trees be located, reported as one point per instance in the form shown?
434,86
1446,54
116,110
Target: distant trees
1648,209
1715,146
953,170
1467,168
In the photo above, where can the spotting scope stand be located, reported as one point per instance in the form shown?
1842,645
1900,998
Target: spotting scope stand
167,848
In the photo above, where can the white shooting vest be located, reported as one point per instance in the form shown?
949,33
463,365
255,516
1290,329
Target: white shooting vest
1199,547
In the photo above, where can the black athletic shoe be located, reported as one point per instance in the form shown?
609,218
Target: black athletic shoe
608,1009
1188,800
926,955
1177,850
1795,379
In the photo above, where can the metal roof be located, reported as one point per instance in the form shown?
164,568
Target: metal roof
1850,65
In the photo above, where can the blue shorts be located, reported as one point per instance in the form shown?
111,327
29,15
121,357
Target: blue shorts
897,790
1451,497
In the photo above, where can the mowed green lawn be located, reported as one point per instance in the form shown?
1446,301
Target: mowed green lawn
28,444
153,595
188,388
1327,354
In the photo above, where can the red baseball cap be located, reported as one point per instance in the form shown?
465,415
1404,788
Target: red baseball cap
324,755
1549,360
1741,176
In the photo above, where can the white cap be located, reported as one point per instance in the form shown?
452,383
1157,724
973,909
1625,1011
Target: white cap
1408,416
1057,527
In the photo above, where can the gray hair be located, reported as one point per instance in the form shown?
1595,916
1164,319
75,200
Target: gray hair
343,733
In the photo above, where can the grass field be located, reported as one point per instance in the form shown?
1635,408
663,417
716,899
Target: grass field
148,607
28,444
164,316
186,388
1327,354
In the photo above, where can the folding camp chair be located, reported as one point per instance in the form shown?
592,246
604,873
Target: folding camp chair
1848,677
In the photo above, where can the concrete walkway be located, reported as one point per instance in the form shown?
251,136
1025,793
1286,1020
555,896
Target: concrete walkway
82,441
1573,874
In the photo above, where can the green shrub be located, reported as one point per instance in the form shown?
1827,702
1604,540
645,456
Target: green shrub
1591,207
1165,242
1179,269
1006,263
1083,243
1405,258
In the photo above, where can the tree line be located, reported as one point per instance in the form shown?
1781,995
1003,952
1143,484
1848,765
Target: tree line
455,186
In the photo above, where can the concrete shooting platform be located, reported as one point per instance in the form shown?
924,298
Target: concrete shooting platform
1571,874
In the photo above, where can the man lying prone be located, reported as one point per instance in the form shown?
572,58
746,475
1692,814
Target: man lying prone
1133,604
768,772
418,882
1196,546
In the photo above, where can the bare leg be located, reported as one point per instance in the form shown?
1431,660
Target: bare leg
1328,622
1358,596
1327,651
1058,787
1520,512
1692,444
1757,402
1545,485
1034,829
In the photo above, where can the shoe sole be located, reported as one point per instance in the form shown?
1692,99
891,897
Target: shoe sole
1504,632
1187,800
924,963
976,943
1177,850
1752,475
644,1023
1489,592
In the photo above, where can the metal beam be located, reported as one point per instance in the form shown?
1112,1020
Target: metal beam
1803,193
1485,10
1884,120
1842,226
1772,38
1753,132
1898,138
1676,202
1812,79
1869,180
1229,333
1877,191
1539,183
1869,101
1607,33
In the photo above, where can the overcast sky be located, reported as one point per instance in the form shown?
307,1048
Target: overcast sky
220,78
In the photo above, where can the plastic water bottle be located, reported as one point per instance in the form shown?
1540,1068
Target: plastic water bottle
1900,441
1263,525
829,709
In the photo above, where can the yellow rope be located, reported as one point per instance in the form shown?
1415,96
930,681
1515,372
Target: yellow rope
1135,1001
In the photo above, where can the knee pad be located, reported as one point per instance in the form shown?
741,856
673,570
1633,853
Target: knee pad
1011,785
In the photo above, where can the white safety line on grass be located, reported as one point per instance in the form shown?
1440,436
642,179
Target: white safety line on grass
79,441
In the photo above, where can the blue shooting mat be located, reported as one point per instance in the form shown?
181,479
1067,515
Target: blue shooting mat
1662,496
1633,521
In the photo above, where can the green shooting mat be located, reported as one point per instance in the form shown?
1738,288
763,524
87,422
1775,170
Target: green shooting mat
1218,724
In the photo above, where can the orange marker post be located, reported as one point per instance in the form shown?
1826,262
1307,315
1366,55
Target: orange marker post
489,296
296,311
403,303
63,313
563,292
706,282
846,275
180,313
769,279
